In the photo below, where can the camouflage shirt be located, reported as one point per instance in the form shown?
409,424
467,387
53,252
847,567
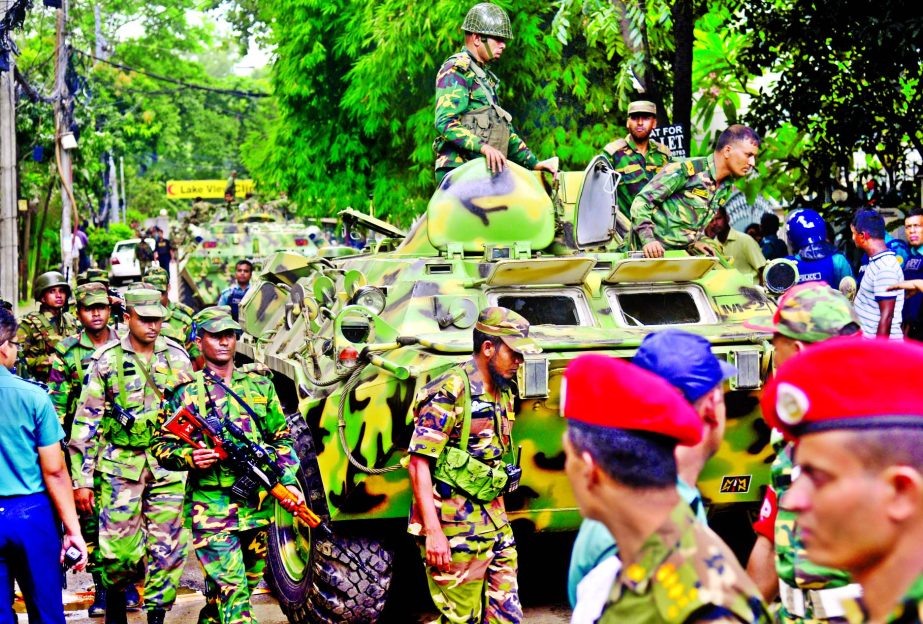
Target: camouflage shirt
460,90
210,505
99,442
37,336
678,203
69,364
683,573
438,418
636,169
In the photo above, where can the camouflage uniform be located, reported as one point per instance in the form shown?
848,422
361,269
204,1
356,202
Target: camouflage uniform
678,203
464,86
636,169
140,502
484,560
228,533
37,336
909,611
683,573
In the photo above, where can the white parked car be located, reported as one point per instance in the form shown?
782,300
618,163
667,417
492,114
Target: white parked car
123,265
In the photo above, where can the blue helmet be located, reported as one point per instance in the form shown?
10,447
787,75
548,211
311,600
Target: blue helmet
805,227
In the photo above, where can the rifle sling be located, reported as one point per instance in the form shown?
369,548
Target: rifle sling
253,415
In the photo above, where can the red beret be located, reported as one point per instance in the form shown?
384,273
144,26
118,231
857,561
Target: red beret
609,392
847,383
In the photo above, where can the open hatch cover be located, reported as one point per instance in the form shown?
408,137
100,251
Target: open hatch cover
595,215
684,269
540,271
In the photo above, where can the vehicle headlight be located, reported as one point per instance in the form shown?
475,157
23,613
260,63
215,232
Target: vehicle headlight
369,297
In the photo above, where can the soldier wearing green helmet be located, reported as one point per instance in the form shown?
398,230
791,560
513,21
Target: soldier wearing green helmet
41,330
229,532
469,119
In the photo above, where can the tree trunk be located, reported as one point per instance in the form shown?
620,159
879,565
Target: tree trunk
683,24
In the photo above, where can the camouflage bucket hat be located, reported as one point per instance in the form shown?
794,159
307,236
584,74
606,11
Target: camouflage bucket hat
810,312
91,294
145,302
215,319
157,278
93,275
487,18
510,327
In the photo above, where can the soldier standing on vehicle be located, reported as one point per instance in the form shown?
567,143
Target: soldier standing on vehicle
69,364
858,495
807,314
469,119
620,459
672,211
637,158
458,519
230,188
40,331
228,532
177,322
140,503
233,295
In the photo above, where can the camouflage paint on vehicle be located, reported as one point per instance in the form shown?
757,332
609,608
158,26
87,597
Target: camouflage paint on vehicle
253,231
491,240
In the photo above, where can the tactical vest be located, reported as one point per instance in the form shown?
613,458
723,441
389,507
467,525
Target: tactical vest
913,269
817,270
237,295
491,123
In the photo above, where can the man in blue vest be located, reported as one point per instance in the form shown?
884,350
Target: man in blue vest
817,259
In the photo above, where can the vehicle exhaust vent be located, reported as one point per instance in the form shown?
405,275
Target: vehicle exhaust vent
748,370
603,265
438,269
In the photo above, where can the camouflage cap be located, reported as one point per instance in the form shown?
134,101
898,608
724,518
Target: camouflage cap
509,326
93,275
642,107
91,294
810,312
158,278
215,319
145,302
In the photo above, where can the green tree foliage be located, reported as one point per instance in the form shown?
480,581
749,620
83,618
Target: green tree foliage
847,76
355,88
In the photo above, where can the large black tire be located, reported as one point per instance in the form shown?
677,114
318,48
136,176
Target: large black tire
320,578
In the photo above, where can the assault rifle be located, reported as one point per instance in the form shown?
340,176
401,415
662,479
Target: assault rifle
251,462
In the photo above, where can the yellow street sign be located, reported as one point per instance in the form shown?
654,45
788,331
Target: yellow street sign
206,189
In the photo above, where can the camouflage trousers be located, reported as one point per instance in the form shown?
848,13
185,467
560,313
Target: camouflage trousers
141,522
483,568
233,563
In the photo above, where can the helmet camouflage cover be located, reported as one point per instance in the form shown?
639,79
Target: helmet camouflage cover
487,18
48,280
809,312
157,278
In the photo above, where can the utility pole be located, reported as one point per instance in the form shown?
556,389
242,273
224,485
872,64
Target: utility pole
113,191
9,239
124,191
64,142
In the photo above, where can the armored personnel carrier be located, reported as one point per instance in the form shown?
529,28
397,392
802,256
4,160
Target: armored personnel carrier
351,340
206,261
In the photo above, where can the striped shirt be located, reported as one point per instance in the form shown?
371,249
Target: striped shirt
883,270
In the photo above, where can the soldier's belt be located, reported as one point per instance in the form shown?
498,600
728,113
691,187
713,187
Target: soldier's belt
821,604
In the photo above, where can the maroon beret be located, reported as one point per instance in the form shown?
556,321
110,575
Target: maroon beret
847,383
609,392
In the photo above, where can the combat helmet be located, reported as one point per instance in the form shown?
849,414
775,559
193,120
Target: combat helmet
805,227
486,18
47,280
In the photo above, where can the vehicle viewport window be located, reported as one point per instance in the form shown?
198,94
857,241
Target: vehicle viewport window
543,309
658,308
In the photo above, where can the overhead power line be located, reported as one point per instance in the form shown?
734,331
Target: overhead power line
188,85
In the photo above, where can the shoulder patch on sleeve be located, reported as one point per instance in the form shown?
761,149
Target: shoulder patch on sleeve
65,345
461,61
615,146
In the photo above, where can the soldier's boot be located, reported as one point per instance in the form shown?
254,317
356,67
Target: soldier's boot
156,616
132,599
115,606
98,608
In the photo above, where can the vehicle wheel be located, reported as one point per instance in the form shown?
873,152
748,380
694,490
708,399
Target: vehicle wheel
322,578
187,296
